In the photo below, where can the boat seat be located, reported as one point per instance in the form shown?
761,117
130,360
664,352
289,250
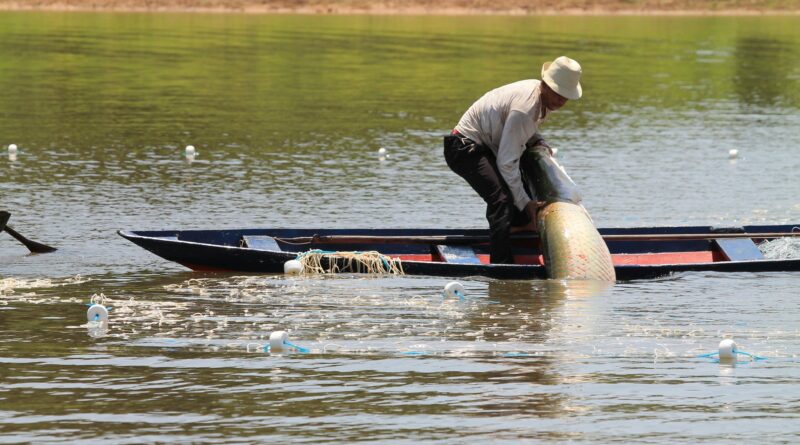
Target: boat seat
739,249
458,254
260,243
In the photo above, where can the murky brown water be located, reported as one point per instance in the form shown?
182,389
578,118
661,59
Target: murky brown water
287,114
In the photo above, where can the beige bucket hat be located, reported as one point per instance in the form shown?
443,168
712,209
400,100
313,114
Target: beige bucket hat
563,75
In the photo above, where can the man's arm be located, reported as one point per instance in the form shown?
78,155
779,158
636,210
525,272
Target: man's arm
517,131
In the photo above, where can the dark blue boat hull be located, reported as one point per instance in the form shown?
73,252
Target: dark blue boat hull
220,250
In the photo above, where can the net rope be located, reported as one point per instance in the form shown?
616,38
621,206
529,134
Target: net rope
372,262
781,248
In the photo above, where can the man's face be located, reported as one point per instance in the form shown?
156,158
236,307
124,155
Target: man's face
552,100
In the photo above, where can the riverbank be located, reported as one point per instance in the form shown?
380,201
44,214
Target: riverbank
411,7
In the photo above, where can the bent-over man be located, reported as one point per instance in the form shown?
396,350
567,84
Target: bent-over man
486,146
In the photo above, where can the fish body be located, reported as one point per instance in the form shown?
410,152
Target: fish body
571,245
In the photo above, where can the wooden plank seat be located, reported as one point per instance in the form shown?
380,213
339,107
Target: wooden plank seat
738,249
260,243
457,254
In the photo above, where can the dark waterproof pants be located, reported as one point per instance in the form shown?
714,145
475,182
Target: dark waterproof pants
477,164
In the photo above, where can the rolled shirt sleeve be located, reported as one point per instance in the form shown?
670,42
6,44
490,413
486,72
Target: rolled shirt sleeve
518,129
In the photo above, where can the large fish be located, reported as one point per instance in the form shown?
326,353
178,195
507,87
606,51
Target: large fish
571,245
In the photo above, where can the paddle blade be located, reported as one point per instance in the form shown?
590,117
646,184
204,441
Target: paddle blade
33,246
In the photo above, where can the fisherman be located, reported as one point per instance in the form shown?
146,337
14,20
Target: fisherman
486,146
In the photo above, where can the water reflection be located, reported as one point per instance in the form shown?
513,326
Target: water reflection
534,368
763,71
537,301
528,312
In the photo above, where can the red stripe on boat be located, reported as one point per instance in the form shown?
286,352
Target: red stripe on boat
425,257
704,256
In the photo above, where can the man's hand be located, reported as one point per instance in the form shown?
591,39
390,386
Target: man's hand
532,208
546,147
541,143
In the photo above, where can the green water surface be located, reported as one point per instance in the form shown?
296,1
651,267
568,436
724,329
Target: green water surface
287,114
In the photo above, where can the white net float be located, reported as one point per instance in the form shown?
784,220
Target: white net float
97,313
454,289
293,267
278,341
727,349
12,149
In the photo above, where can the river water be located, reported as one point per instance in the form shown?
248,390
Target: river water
287,114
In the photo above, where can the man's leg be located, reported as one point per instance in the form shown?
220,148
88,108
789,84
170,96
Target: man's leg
478,167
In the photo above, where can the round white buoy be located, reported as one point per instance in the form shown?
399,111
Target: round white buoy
733,153
190,151
277,341
293,267
12,148
727,350
454,289
381,151
97,313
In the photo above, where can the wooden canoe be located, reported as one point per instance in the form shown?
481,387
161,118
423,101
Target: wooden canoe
638,253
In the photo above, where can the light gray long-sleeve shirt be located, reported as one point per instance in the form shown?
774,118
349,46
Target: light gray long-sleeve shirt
504,120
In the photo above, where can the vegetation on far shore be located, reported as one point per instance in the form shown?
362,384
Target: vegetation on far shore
422,6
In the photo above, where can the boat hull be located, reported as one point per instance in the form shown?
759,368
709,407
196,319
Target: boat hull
225,250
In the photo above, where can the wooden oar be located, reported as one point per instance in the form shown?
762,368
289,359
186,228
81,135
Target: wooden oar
33,246
465,239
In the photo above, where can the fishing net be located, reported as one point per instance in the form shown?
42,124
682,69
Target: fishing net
781,249
375,263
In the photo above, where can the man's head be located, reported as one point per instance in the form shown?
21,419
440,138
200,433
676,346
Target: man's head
561,81
550,99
